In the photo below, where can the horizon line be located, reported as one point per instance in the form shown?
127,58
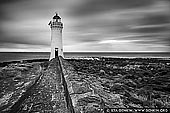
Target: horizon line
88,52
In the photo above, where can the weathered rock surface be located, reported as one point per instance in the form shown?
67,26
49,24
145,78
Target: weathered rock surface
87,92
15,81
118,83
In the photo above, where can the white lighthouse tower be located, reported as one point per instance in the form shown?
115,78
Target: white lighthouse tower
56,37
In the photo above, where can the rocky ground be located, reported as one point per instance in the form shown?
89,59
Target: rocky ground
99,83
91,84
15,79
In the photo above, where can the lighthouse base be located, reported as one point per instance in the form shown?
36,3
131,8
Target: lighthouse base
56,53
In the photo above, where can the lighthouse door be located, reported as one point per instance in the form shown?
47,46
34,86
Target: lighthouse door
56,52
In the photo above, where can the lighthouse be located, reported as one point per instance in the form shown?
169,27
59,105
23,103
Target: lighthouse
56,37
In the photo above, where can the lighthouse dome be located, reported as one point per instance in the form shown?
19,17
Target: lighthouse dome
56,17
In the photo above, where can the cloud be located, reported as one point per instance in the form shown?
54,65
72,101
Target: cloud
14,47
5,10
114,46
157,26
153,19
26,22
86,23
10,1
153,23
25,32
90,7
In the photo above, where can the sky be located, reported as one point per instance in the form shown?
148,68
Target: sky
89,25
